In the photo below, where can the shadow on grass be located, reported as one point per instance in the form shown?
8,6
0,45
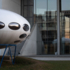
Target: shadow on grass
23,63
19,61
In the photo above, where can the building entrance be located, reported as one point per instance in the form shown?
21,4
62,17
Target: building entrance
46,18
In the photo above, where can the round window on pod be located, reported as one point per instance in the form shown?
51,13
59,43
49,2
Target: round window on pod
25,27
14,26
2,25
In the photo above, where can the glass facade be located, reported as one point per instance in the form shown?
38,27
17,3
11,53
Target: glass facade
45,16
44,13
65,27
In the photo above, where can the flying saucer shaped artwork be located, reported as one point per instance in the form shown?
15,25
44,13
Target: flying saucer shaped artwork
13,28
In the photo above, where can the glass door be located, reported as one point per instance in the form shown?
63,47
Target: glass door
65,27
46,17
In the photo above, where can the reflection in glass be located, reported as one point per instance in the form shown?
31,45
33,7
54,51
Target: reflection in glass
65,27
2,25
40,8
65,4
52,5
46,18
14,26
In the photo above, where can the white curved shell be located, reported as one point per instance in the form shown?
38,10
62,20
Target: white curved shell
7,35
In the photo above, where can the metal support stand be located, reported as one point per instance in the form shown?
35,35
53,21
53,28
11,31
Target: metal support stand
13,61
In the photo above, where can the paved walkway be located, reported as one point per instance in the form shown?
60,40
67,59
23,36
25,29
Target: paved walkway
51,58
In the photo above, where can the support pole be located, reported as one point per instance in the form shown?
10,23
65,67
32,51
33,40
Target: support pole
58,27
3,55
14,53
13,61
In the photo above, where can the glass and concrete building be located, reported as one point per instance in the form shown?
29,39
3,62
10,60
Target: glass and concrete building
50,25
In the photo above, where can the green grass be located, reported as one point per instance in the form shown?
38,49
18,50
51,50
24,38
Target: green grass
23,63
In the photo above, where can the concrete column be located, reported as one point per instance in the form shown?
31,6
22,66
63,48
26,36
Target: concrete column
58,27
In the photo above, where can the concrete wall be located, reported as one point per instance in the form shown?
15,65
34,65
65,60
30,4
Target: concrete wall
30,45
39,41
33,44
12,5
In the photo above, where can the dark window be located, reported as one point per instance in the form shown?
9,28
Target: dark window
14,26
2,25
27,10
25,27
22,36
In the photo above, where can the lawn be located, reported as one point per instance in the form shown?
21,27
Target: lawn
23,63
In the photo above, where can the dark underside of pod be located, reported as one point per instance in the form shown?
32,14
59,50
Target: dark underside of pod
17,41
22,36
1,47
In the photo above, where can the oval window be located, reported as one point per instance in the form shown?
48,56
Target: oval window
25,27
2,25
14,26
22,36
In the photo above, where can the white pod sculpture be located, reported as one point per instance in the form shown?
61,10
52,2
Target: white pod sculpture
13,28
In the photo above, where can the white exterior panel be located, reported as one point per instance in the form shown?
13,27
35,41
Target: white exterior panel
11,5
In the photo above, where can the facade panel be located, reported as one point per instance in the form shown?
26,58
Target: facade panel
12,5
